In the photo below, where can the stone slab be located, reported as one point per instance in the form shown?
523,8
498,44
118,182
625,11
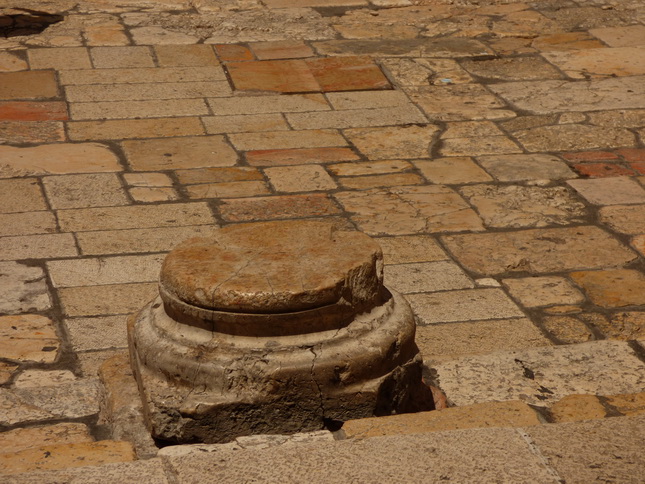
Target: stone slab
426,277
542,376
610,191
525,167
87,190
28,338
22,288
538,250
25,438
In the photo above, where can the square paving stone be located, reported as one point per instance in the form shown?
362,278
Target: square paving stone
525,167
543,291
613,288
79,191
538,250
174,153
409,210
515,206
21,195
541,376
610,191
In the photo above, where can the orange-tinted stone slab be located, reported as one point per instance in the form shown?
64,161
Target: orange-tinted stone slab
233,52
590,156
28,85
268,208
284,49
612,288
632,154
347,74
299,156
280,76
31,131
33,111
599,170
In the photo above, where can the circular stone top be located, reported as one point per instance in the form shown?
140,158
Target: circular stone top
274,267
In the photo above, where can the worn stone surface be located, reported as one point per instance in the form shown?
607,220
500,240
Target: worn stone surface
542,375
629,404
543,291
538,250
574,408
22,289
79,191
613,191
306,178
525,167
585,64
426,277
392,143
514,206
568,137
482,415
25,438
567,329
452,170
29,337
612,288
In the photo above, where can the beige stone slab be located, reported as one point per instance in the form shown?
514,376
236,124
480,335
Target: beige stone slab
459,102
315,138
106,300
538,250
139,240
27,223
478,146
447,47
626,219
21,195
147,180
60,58
526,167
134,217
49,457
453,170
386,180
78,191
424,71
543,291
11,63
25,438
138,109
494,414
575,408
121,57
219,175
106,34
612,288
238,189
610,191
410,248
448,341
621,325
513,68
567,329
146,91
105,270
632,118
426,277
409,210
154,35
33,378
595,368
463,305
28,338
97,333
185,55
173,153
28,85
471,129
393,142
356,118
22,288
46,246
622,36
583,64
546,97
62,158
153,194
141,75
302,178
606,449
369,167
134,128
572,137
289,103
244,123
367,99
516,206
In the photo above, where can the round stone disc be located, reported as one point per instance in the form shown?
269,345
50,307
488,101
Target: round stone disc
275,267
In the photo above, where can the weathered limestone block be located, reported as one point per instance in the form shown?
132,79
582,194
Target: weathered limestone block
277,327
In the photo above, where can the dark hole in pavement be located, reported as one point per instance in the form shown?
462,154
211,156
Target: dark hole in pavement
29,23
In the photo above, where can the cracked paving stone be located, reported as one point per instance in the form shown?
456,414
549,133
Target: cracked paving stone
22,288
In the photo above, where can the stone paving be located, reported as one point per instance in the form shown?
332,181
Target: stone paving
494,149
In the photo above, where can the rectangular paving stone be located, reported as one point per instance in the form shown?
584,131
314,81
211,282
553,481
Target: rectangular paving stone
463,305
356,118
626,219
545,97
87,190
139,240
601,287
299,156
347,73
395,142
27,223
538,250
28,85
542,376
219,175
146,91
228,190
387,180
291,103
33,111
233,52
367,99
453,170
138,109
130,217
409,210
589,63
304,178
105,34
569,137
31,131
142,75
105,300
105,270
275,75
174,153
59,58
277,207
121,57
281,49
134,128
410,248
25,438
185,55
369,168
525,167
450,47
10,62
609,191
28,337
21,195
98,333
47,246
244,123
426,277
622,36
314,138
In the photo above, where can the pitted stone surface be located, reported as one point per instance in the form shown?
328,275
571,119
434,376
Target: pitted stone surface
274,267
